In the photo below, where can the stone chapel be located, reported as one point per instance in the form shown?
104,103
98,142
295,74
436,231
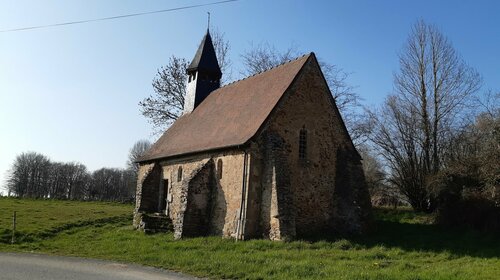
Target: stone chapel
268,156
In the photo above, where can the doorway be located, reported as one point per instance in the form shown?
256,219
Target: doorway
164,197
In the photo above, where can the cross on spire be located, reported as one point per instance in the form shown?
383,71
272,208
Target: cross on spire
208,25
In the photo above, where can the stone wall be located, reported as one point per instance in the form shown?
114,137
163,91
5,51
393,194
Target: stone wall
312,196
254,203
148,179
200,201
278,210
351,203
225,195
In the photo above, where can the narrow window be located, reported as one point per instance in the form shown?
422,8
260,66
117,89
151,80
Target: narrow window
219,169
189,79
303,145
179,174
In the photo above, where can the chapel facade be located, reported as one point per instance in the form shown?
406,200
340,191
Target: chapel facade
267,156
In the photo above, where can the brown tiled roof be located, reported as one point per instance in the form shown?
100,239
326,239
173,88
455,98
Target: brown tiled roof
229,116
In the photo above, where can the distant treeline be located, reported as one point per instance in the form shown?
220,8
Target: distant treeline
34,175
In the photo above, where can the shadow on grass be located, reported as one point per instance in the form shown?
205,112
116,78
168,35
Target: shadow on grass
395,229
26,237
431,238
411,231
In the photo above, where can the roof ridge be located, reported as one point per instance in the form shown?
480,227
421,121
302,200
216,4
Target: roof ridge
262,72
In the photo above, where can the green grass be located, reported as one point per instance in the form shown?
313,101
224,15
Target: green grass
403,246
42,218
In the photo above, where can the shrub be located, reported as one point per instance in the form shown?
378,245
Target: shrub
472,210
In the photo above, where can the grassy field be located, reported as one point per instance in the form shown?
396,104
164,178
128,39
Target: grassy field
404,246
38,219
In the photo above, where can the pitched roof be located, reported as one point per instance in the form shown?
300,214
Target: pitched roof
229,116
205,58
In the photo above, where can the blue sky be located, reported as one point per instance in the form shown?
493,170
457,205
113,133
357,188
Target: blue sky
71,92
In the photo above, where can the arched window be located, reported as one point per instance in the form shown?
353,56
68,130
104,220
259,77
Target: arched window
219,169
303,145
179,174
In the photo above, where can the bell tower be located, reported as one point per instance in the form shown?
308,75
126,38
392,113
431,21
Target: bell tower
204,75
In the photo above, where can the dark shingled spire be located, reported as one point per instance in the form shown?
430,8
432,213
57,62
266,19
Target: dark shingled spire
203,75
205,59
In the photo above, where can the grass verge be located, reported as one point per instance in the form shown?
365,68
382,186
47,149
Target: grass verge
404,246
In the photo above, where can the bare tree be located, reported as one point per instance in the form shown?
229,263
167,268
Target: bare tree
262,57
111,184
67,180
478,144
396,136
57,180
166,104
433,89
77,179
373,170
489,103
29,175
222,49
468,185
33,175
138,150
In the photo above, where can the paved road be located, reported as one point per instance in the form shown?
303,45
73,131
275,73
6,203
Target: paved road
43,267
